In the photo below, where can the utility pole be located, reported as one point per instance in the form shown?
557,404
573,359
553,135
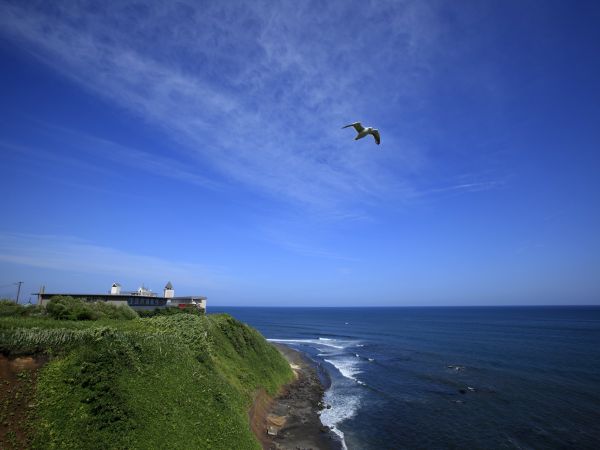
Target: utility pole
19,283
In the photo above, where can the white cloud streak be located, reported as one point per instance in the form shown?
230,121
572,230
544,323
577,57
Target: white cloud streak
73,255
103,156
461,188
248,93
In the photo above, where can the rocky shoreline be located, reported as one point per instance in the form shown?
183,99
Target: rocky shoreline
291,420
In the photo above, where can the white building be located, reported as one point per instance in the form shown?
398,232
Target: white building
169,291
143,298
115,289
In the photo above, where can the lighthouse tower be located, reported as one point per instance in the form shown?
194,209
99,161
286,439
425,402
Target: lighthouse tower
169,291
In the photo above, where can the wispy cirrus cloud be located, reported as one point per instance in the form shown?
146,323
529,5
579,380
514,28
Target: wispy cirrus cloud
461,188
74,255
239,89
302,246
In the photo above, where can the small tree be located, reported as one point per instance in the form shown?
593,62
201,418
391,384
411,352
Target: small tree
63,307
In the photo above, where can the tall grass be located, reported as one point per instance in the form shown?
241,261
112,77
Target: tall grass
181,381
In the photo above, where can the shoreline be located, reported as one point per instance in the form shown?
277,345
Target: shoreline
291,420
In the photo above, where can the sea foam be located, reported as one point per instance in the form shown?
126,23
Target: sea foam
343,396
347,367
317,342
342,407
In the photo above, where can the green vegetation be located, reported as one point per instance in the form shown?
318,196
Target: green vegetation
170,381
68,308
170,311
10,308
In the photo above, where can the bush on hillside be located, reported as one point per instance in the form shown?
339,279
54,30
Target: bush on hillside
110,311
9,308
69,308
171,311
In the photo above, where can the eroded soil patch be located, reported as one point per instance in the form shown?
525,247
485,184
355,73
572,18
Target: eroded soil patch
18,377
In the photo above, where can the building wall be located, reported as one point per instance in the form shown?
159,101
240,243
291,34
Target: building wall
183,302
134,301
131,300
146,302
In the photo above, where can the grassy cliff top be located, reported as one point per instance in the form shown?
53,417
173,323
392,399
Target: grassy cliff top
181,381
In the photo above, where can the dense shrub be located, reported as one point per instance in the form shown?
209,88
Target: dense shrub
10,308
69,308
110,311
171,311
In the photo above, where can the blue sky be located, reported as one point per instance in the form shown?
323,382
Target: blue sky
201,142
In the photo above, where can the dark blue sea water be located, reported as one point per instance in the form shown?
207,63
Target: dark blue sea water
509,377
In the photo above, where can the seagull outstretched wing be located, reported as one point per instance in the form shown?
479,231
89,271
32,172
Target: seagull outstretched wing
375,134
357,126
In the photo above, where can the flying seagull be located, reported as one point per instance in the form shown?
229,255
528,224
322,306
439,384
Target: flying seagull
362,131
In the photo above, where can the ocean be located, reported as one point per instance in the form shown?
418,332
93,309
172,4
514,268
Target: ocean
472,377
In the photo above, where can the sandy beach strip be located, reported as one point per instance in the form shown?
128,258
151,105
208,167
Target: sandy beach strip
291,419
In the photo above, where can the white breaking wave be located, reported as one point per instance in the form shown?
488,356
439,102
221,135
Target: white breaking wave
343,399
342,407
347,367
320,341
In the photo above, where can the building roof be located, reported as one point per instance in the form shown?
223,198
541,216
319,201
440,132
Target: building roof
169,285
116,285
